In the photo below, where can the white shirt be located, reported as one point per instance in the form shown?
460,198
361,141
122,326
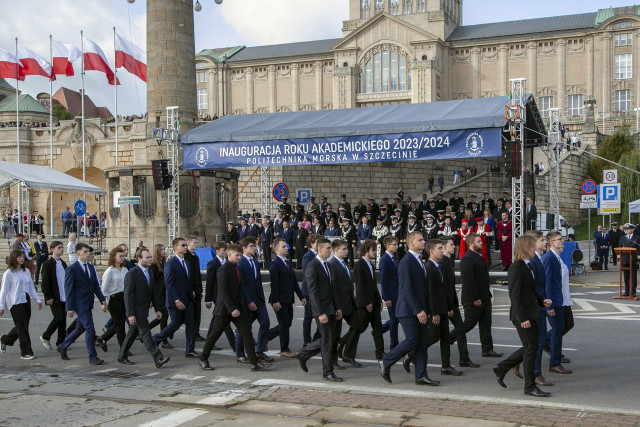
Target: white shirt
71,250
15,284
252,264
566,294
222,260
60,279
113,281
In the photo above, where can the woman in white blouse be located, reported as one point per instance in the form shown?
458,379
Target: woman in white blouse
16,284
113,290
71,248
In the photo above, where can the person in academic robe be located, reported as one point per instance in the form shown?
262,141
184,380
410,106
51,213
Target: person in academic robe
463,232
486,234
504,236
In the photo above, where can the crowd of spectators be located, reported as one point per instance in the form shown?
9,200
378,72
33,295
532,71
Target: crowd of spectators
207,117
125,118
28,124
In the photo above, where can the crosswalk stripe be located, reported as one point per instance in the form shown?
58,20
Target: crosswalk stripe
584,305
175,418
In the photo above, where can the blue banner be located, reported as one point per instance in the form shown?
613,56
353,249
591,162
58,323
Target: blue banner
458,144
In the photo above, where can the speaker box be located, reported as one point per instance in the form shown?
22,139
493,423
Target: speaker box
161,178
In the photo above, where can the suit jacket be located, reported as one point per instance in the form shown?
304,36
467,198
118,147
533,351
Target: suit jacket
266,235
42,250
283,282
413,289
277,227
243,232
322,296
308,257
335,231
211,291
288,235
362,233
80,289
602,239
388,277
475,278
343,286
253,230
446,267
525,302
158,283
317,229
177,283
138,294
229,291
50,287
538,271
553,279
438,300
531,217
251,286
196,275
366,286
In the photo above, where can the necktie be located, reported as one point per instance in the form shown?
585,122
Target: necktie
86,271
253,266
146,276
531,270
326,269
287,264
186,270
238,275
346,268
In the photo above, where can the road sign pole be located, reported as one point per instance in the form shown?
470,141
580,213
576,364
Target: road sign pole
129,226
589,234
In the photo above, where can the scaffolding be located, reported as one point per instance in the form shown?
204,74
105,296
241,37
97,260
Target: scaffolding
516,127
555,147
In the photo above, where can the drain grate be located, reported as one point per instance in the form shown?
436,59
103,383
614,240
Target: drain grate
117,374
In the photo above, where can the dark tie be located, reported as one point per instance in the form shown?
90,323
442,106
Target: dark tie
346,268
253,266
326,269
531,270
186,270
86,271
287,264
239,277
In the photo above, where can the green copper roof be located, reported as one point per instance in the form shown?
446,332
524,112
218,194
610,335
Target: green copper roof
5,85
604,14
221,54
26,104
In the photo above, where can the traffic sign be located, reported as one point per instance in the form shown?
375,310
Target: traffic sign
609,198
610,176
589,186
129,200
280,190
80,208
304,194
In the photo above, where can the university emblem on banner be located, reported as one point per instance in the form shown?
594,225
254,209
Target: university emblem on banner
202,157
475,144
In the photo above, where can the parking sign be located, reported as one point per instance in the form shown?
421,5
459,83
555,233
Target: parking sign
609,198
304,194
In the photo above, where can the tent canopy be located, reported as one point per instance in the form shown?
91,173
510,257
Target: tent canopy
634,207
43,178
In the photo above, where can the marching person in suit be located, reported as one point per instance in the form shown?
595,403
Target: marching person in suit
389,286
283,287
180,298
159,259
211,290
54,296
630,240
524,314
80,285
325,308
230,308
266,240
311,254
412,311
196,279
603,243
139,293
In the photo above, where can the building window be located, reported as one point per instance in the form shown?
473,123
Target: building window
408,7
394,9
202,99
188,201
622,39
575,105
546,102
623,66
422,6
623,100
147,193
201,77
385,71
365,9
379,6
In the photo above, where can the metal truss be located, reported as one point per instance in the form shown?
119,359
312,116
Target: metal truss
555,147
265,190
517,138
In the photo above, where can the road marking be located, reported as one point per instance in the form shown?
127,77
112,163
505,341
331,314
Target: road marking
584,304
230,380
186,377
222,398
105,370
624,309
175,418
599,293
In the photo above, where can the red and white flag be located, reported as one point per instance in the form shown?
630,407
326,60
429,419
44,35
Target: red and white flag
131,57
10,66
63,56
33,64
94,59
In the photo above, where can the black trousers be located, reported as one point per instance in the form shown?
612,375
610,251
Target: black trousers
285,319
141,327
306,325
634,278
163,321
364,319
568,319
58,323
323,345
266,255
440,332
198,313
21,314
116,309
39,263
458,333
231,336
480,316
525,354
351,338
220,324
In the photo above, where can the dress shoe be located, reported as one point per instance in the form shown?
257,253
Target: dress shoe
332,377
338,366
468,364
191,354
303,362
406,364
427,381
45,343
162,361
199,338
351,361
99,342
543,381
340,351
452,338
62,351
126,361
560,370
564,359
260,366
166,344
139,338
499,375
380,356
204,364
385,372
264,357
516,372
537,393
287,354
451,371
492,353
96,361
625,295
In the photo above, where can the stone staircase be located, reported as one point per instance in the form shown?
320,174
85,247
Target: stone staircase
494,182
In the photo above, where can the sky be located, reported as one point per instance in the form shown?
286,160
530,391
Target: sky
233,23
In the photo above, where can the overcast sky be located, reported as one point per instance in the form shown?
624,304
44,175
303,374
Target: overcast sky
234,23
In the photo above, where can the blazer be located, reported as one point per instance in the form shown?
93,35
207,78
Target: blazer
283,282
439,303
288,235
251,286
178,285
196,275
242,233
277,227
475,278
42,250
266,235
332,232
211,290
366,286
343,285
525,302
602,239
253,230
553,279
322,296
317,229
80,289
50,287
388,277
229,291
158,282
138,294
446,267
308,257
413,289
538,271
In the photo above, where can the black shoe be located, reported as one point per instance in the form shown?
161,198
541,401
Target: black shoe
380,355
385,372
537,393
96,361
332,377
406,364
166,344
303,362
340,351
564,359
191,354
99,342
351,361
260,366
451,371
126,361
204,364
63,353
469,364
162,361
452,338
427,381
199,338
242,359
338,366
499,375
492,353
139,338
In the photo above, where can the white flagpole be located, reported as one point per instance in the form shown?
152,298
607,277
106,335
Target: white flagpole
84,172
51,129
20,220
115,69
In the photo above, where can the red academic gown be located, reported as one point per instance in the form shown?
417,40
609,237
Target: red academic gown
463,244
484,230
504,229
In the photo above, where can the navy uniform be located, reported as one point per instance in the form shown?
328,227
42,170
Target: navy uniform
615,234
298,209
285,208
440,219
441,204
346,205
487,202
506,195
230,235
357,220
385,217
379,232
348,233
456,201
313,206
473,196
397,230
430,229
630,240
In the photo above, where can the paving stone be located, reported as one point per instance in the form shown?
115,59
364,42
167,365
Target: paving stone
69,388
266,421
424,420
363,415
136,393
9,385
278,408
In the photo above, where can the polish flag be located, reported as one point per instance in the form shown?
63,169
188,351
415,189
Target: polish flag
10,66
94,59
33,64
131,57
63,56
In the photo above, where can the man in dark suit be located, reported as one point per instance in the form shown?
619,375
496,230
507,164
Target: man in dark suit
615,234
53,290
412,311
254,229
311,254
343,285
277,225
317,227
196,278
243,229
325,308
80,285
283,287
332,230
266,240
389,285
531,215
288,235
180,297
230,308
630,240
139,292
211,291
603,243
42,254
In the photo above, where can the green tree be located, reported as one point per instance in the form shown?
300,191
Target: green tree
613,148
630,184
61,113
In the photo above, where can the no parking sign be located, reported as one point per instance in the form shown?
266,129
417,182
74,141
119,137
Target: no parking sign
280,190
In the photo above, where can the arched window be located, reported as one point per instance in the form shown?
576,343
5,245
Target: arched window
147,193
408,7
384,69
365,9
393,7
188,200
422,6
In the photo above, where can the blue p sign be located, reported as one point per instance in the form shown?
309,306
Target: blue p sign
610,193
304,194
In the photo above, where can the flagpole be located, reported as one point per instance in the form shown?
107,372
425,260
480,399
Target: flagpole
115,68
51,129
20,220
84,173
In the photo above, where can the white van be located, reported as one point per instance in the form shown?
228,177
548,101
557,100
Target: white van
546,223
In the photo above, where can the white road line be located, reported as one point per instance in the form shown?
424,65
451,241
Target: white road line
186,377
584,305
175,418
105,370
624,309
598,293
230,380
222,398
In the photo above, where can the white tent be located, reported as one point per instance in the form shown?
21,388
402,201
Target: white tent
43,178
634,207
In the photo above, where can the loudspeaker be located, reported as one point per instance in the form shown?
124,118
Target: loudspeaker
161,178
